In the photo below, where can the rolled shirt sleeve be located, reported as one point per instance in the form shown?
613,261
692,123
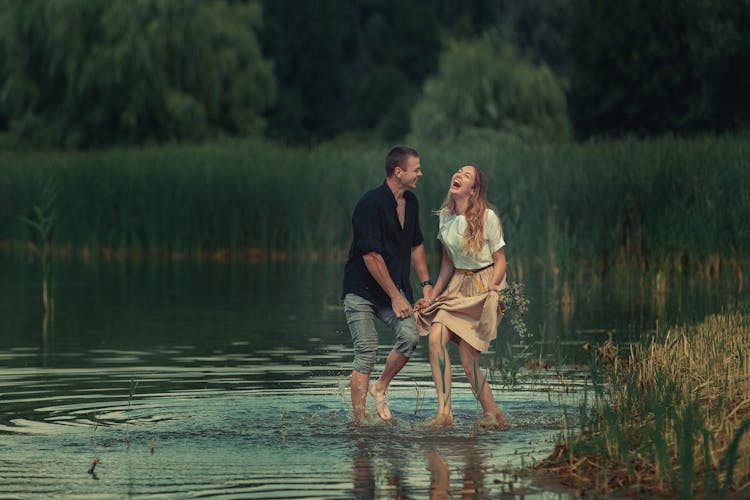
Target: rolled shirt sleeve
368,236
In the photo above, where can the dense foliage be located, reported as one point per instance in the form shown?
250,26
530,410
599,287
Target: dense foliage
83,73
650,67
482,84
361,65
91,73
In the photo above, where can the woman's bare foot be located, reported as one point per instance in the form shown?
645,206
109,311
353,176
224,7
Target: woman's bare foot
494,421
381,403
441,420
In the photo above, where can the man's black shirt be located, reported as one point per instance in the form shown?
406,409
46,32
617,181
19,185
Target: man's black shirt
377,229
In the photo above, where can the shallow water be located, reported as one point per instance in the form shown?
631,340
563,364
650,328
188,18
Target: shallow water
190,380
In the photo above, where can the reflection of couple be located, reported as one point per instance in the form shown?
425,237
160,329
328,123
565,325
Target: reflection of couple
365,482
461,306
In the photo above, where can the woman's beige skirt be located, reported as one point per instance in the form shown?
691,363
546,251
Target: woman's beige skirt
466,308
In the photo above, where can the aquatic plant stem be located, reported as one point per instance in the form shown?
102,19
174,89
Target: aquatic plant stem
43,223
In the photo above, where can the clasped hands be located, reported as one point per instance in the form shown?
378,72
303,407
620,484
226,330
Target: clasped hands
426,300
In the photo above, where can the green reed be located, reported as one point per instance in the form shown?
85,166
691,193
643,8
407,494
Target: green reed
570,211
673,415
42,223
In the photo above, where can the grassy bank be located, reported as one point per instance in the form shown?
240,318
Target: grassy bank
671,416
669,205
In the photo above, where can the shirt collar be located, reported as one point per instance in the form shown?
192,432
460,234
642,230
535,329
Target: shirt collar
388,194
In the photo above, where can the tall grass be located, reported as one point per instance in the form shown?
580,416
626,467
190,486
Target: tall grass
674,205
673,417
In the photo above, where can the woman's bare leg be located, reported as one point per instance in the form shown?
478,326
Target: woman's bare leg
483,391
440,364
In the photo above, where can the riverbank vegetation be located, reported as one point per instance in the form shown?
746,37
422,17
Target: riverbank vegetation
671,416
668,207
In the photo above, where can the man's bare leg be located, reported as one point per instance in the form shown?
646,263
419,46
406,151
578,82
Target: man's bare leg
393,365
359,383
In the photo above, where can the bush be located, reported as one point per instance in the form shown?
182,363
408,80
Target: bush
483,84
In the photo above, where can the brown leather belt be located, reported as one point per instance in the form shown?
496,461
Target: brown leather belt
473,274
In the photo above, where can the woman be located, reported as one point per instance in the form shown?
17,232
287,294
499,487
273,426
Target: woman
466,301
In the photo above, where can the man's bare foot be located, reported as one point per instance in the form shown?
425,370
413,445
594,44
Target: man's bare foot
381,403
441,419
369,420
494,421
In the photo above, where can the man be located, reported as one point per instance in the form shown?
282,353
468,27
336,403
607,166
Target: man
386,238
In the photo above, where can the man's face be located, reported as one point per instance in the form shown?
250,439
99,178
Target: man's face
411,172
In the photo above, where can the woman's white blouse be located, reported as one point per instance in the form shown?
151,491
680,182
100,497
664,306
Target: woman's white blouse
451,233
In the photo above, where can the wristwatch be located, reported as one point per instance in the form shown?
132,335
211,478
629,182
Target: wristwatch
427,282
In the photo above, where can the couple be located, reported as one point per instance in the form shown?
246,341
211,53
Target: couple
461,306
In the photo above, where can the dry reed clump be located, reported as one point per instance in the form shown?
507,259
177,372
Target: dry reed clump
672,418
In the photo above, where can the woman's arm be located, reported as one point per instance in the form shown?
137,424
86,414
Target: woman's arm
498,257
446,272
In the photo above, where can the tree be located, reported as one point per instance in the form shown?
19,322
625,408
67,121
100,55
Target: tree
311,45
652,66
347,65
482,84
87,73
538,30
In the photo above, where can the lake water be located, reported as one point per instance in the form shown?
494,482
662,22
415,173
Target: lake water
193,379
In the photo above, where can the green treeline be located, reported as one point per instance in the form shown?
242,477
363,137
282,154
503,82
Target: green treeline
666,205
81,74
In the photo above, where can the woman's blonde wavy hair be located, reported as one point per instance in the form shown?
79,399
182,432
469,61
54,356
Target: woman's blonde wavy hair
475,213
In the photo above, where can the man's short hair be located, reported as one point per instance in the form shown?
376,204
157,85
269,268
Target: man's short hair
398,157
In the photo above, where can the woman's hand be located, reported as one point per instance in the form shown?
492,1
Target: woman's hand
422,303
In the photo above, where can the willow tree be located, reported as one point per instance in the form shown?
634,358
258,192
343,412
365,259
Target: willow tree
483,85
86,73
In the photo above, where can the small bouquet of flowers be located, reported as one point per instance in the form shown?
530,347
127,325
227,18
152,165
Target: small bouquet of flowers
514,305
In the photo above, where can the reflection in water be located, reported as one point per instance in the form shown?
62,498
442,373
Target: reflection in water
440,476
471,468
567,304
458,468
378,477
363,475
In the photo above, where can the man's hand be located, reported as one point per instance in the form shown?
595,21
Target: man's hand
401,306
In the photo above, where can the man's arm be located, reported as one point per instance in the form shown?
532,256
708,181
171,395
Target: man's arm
419,261
376,265
446,272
